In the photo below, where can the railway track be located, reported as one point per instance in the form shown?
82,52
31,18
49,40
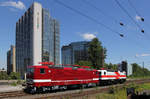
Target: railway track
68,93
93,91
12,94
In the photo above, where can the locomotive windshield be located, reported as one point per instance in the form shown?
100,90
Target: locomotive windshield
30,70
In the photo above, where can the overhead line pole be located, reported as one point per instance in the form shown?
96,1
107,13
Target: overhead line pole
143,69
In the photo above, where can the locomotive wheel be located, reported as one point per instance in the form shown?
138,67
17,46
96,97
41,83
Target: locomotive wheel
83,86
32,90
63,88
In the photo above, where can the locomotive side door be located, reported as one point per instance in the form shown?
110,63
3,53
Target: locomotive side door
50,76
100,74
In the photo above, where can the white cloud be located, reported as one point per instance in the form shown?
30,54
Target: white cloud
19,5
136,55
88,36
137,17
145,54
142,55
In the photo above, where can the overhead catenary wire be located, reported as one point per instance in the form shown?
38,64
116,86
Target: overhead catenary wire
119,4
89,17
142,30
141,17
102,12
130,3
96,21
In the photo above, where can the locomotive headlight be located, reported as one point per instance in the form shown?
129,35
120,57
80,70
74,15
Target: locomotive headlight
49,71
30,81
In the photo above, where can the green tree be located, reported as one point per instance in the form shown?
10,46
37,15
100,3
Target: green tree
111,66
138,71
84,63
97,53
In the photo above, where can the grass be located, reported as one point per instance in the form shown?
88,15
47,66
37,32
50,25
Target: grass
15,83
120,93
117,95
142,87
142,77
114,92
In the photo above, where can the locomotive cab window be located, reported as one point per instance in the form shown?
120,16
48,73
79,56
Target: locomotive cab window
42,70
30,70
104,73
100,73
96,72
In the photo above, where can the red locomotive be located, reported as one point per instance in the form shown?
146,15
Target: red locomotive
47,77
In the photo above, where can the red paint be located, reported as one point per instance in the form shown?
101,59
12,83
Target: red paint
46,63
63,76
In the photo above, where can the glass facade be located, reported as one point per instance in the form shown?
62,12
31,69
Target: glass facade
51,39
75,52
24,32
56,42
48,38
66,55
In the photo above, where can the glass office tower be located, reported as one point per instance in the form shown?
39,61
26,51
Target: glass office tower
37,38
75,52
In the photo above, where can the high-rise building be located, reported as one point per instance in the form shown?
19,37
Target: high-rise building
11,60
37,38
75,52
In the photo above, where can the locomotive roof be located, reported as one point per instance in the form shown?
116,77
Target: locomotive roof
38,66
62,67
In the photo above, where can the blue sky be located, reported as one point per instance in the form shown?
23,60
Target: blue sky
134,47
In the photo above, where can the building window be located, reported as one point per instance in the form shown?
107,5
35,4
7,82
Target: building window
42,70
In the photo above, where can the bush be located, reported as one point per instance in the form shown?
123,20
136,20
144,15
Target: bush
19,81
15,75
3,76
